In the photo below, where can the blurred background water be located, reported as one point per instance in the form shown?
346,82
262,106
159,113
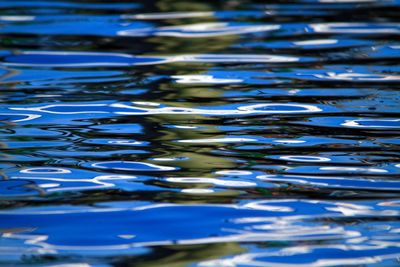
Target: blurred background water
199,133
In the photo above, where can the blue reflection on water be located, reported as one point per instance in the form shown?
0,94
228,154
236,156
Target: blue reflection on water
199,134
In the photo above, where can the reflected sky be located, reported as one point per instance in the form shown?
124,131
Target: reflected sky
201,133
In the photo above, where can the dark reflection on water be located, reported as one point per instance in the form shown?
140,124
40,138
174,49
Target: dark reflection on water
199,133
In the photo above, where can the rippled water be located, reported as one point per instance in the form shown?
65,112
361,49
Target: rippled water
200,133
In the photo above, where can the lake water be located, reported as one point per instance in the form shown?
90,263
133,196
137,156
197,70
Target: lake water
200,133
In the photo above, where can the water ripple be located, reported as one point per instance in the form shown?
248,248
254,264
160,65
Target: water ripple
131,166
335,182
201,133
90,59
201,30
124,109
265,220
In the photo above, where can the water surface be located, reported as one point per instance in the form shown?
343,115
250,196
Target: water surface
201,133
